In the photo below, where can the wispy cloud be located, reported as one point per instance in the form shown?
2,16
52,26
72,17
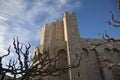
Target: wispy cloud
3,18
24,18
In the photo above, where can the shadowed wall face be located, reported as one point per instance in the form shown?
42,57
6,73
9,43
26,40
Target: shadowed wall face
62,60
64,37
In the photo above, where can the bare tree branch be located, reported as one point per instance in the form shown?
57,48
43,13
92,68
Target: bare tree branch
114,22
41,65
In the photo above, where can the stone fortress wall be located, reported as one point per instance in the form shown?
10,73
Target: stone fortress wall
101,58
64,35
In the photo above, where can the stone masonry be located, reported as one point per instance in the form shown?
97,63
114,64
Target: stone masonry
64,36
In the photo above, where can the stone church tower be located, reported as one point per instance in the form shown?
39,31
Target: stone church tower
64,36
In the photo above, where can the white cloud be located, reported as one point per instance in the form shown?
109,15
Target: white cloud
3,30
3,18
11,7
23,19
62,2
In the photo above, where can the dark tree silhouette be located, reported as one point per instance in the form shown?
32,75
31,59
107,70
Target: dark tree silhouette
26,67
114,22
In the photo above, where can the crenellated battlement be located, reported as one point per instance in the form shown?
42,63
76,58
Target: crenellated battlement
64,35
84,40
68,14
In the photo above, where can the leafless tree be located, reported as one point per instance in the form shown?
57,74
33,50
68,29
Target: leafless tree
114,22
25,67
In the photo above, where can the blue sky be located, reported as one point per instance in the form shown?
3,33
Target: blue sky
93,15
24,18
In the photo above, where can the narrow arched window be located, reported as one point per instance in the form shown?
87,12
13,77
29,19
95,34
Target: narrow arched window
116,50
62,58
62,64
107,50
84,53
